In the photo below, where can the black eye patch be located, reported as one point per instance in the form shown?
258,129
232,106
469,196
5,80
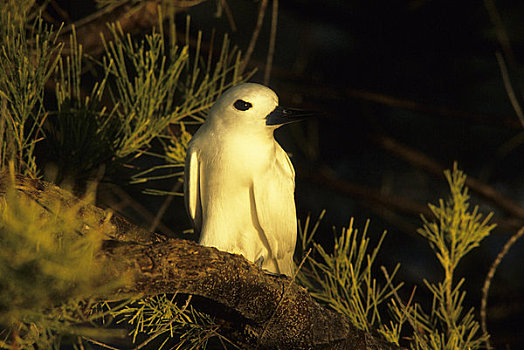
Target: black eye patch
242,105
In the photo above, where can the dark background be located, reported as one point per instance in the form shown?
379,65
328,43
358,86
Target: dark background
422,74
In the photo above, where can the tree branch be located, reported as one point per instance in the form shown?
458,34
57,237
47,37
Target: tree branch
278,314
271,311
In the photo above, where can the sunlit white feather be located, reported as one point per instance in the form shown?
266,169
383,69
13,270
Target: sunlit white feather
239,182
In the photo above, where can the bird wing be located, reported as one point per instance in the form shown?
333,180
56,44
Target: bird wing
192,189
274,203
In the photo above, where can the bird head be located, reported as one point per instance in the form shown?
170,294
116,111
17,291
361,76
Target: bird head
253,106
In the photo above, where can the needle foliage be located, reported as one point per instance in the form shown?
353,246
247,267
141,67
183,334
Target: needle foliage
26,64
455,231
344,279
160,319
47,256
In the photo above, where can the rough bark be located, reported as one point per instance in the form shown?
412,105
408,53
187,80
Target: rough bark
270,311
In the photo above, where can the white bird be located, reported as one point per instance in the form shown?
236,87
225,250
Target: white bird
239,182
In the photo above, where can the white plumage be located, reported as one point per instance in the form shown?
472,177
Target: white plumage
239,183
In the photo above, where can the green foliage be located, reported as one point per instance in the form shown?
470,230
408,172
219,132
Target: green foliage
80,132
456,229
26,65
45,259
17,12
157,84
146,84
161,319
150,84
454,232
177,148
344,279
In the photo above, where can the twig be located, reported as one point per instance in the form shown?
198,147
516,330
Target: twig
182,4
60,11
140,209
269,322
229,15
509,89
489,277
386,206
500,30
309,88
96,342
422,161
327,177
405,308
254,36
164,206
210,50
272,38
415,106
393,218
503,39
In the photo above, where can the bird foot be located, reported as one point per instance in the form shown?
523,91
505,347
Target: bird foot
260,261
276,274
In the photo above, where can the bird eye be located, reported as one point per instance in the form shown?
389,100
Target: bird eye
242,105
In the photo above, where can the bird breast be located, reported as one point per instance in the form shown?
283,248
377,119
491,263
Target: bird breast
242,155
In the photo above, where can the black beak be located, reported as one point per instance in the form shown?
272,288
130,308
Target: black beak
281,115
